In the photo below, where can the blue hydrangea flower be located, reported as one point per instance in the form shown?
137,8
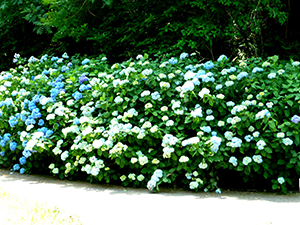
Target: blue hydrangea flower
22,160
85,61
206,129
183,55
65,56
26,153
280,180
155,95
241,75
76,121
48,133
257,69
219,86
261,144
41,122
248,138
77,95
32,59
221,58
2,143
22,170
295,119
54,58
82,79
287,141
189,67
236,142
2,153
173,60
208,65
232,69
13,146
16,167
64,69
13,121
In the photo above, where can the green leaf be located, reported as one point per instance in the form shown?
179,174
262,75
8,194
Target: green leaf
275,186
290,103
266,175
272,126
268,150
240,168
293,160
280,162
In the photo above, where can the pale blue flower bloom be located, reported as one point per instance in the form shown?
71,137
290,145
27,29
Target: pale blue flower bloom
236,142
85,61
257,159
295,119
262,114
147,72
257,69
287,141
189,67
158,173
229,83
65,56
155,95
261,144
151,185
280,180
221,58
230,103
196,81
232,69
218,191
208,65
233,160
228,135
194,185
173,60
32,59
247,160
272,75
219,86
216,142
224,71
248,138
183,55
206,129
77,95
241,75
256,134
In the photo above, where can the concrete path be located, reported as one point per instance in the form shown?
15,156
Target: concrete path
108,204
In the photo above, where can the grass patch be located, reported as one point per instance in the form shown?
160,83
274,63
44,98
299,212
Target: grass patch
16,210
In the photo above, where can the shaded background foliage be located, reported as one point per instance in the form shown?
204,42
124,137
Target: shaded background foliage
124,28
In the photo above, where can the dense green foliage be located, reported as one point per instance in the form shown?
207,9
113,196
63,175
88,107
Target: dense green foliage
145,122
130,27
122,29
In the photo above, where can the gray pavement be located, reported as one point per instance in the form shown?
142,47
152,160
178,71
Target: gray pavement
109,204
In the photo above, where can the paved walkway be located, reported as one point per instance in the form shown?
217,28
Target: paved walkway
108,204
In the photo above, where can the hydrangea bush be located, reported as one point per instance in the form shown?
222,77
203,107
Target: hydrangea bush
144,122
